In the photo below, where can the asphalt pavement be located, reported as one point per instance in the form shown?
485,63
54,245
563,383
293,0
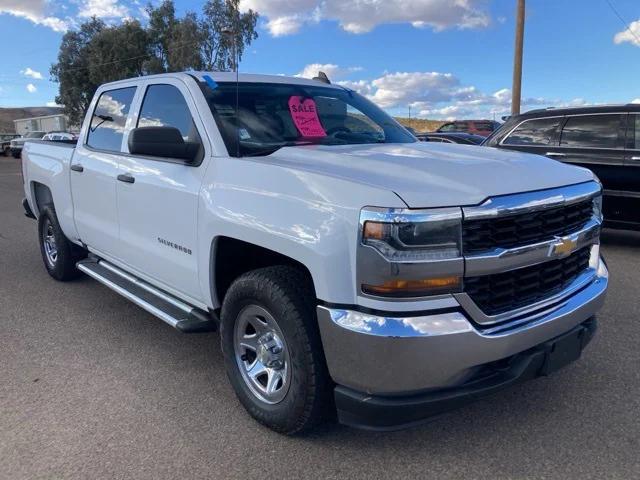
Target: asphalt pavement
93,387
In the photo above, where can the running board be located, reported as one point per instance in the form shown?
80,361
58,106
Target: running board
169,309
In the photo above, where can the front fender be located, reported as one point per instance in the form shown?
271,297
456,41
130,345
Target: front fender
309,217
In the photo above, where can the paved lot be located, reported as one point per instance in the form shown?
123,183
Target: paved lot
93,387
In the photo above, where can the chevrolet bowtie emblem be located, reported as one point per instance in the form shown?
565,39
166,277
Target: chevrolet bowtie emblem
564,246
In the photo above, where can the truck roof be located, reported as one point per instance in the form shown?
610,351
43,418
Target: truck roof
231,77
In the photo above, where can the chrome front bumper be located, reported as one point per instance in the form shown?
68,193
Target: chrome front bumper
400,354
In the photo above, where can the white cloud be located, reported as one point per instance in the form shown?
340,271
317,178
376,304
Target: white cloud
332,70
438,95
635,100
631,34
31,88
34,11
285,17
102,9
28,72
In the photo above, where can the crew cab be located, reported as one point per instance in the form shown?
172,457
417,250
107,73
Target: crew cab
349,267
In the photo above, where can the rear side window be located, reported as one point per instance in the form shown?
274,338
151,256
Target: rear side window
109,118
591,131
165,106
534,132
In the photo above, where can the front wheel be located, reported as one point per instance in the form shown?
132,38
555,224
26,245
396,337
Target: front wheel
272,349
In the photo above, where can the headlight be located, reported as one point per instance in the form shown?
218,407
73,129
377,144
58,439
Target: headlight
421,251
597,207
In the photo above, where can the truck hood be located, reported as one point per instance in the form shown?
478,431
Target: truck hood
433,175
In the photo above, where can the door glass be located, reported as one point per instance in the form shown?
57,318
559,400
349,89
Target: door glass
109,118
165,106
591,131
534,132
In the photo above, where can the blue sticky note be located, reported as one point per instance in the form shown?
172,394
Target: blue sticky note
210,81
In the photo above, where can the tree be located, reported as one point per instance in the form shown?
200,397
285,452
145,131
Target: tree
118,52
72,70
96,53
219,48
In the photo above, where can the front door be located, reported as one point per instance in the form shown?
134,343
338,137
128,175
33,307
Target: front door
158,198
94,170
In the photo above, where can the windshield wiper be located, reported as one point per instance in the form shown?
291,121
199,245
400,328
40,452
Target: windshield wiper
278,146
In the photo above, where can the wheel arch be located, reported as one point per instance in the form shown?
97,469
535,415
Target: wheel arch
231,257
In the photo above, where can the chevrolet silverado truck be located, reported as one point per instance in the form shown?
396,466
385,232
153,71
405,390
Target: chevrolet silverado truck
349,268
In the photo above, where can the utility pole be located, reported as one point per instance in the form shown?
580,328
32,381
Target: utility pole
516,91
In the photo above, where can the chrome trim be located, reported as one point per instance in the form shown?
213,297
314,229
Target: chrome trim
406,215
403,354
621,193
125,293
144,285
519,203
478,316
504,259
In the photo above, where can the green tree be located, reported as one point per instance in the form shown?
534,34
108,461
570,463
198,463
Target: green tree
72,70
220,48
118,52
162,23
185,46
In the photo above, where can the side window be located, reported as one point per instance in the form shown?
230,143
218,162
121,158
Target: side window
534,132
447,127
165,106
635,132
109,118
591,131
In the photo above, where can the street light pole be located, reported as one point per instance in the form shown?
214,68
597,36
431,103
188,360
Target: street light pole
516,91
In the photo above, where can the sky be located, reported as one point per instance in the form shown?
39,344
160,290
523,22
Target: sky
437,59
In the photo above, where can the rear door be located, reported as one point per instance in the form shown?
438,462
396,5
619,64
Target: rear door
94,170
158,205
596,142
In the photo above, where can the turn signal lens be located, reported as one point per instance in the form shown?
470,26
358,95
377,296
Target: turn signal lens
415,288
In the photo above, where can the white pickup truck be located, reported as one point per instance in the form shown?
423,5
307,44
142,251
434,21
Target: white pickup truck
349,267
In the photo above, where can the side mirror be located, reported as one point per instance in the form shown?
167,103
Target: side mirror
164,142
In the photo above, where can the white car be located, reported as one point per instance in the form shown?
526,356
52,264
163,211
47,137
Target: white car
17,144
59,136
348,266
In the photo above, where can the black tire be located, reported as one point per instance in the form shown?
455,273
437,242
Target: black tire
287,294
63,266
16,155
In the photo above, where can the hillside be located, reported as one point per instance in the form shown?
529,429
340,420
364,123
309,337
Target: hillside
419,124
8,115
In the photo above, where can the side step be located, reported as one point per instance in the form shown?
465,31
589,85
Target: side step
169,309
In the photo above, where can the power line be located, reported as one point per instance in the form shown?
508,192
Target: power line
624,22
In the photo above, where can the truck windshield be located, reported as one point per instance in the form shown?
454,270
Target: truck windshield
271,116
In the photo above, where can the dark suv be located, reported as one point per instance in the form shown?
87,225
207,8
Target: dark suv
604,139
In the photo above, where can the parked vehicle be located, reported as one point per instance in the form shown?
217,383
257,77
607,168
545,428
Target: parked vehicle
17,144
5,142
604,139
59,136
348,265
483,128
453,137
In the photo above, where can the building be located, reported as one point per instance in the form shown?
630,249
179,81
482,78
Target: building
47,123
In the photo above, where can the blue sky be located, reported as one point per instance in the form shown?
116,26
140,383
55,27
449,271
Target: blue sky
442,59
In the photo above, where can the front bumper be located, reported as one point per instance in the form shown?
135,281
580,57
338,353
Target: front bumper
398,355
391,413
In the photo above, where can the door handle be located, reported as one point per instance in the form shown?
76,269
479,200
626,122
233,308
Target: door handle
555,154
126,178
76,167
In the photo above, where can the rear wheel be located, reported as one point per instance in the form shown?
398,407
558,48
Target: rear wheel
58,253
272,349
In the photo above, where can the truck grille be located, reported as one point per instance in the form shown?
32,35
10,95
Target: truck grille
503,292
524,229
